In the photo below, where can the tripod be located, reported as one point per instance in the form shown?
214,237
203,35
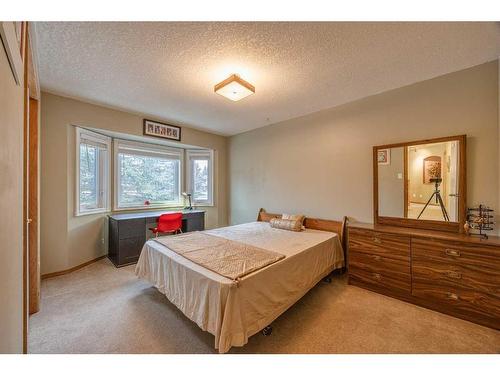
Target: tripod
439,200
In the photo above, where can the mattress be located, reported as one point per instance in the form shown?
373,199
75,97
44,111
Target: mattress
233,312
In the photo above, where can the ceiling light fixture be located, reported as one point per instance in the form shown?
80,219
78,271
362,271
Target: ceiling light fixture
234,88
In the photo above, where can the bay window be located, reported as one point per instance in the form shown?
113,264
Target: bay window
200,176
92,177
146,175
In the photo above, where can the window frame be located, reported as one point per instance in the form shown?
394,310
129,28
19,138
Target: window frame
200,154
148,149
103,173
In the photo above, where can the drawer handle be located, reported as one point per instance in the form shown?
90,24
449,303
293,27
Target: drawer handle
454,274
377,276
452,296
377,240
376,257
452,252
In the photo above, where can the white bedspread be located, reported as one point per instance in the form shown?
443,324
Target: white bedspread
234,313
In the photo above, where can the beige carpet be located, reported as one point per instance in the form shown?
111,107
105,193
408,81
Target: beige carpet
102,309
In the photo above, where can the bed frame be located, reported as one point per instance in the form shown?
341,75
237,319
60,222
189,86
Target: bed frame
338,227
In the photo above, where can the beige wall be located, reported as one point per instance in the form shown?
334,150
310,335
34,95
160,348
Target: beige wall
321,164
11,208
391,192
66,240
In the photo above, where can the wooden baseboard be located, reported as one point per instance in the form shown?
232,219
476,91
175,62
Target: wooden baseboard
60,273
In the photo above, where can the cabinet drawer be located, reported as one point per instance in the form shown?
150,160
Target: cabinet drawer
456,253
383,244
481,279
130,249
378,279
464,301
397,269
131,228
195,222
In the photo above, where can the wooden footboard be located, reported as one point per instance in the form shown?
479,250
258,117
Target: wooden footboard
338,227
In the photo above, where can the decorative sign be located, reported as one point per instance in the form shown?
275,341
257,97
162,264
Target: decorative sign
158,129
384,156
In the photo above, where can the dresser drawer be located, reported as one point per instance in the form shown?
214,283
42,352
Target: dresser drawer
394,268
379,280
464,301
456,253
383,244
481,279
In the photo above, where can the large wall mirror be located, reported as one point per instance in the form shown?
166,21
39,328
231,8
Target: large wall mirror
421,184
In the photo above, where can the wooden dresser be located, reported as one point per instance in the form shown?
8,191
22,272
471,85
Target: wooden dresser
452,273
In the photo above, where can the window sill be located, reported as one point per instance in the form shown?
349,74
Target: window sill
94,212
196,205
147,208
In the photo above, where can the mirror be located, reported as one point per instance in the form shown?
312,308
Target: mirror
421,184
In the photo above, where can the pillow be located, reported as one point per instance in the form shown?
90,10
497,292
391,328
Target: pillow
293,225
294,217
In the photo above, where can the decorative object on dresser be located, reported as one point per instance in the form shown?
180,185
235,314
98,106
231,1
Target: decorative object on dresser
481,219
452,273
188,196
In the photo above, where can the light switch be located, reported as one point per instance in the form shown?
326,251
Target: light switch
400,176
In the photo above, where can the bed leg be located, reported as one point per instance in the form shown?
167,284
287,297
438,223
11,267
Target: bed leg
267,331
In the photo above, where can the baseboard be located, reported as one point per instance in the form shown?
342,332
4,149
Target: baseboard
64,272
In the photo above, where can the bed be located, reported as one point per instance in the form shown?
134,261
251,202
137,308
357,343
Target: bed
233,310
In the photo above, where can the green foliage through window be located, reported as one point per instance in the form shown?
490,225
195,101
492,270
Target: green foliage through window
147,179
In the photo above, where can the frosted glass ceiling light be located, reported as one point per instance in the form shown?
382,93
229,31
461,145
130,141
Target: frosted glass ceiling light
234,88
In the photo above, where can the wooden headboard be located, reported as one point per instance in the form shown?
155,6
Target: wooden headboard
338,227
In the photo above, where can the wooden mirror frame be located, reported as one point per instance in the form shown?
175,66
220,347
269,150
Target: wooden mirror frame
425,224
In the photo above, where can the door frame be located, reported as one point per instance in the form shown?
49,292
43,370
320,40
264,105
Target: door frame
31,177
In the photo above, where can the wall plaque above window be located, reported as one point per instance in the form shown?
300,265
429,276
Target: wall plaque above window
158,129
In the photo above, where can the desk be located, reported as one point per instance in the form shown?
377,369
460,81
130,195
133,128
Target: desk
128,232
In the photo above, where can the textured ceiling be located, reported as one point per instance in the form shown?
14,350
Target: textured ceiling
169,69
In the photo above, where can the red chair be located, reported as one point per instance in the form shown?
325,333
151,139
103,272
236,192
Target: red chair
168,223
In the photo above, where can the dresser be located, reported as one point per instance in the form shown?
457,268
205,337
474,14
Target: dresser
129,232
448,272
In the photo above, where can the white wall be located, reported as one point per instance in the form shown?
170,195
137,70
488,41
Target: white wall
11,208
321,164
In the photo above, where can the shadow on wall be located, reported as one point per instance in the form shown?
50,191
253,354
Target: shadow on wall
87,238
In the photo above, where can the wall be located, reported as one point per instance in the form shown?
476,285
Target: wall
391,192
66,240
11,208
321,164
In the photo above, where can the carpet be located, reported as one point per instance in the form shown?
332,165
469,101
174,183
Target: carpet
103,309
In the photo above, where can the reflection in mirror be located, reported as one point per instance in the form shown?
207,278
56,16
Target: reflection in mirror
419,181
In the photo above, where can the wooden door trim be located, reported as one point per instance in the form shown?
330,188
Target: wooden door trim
25,186
405,181
33,209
